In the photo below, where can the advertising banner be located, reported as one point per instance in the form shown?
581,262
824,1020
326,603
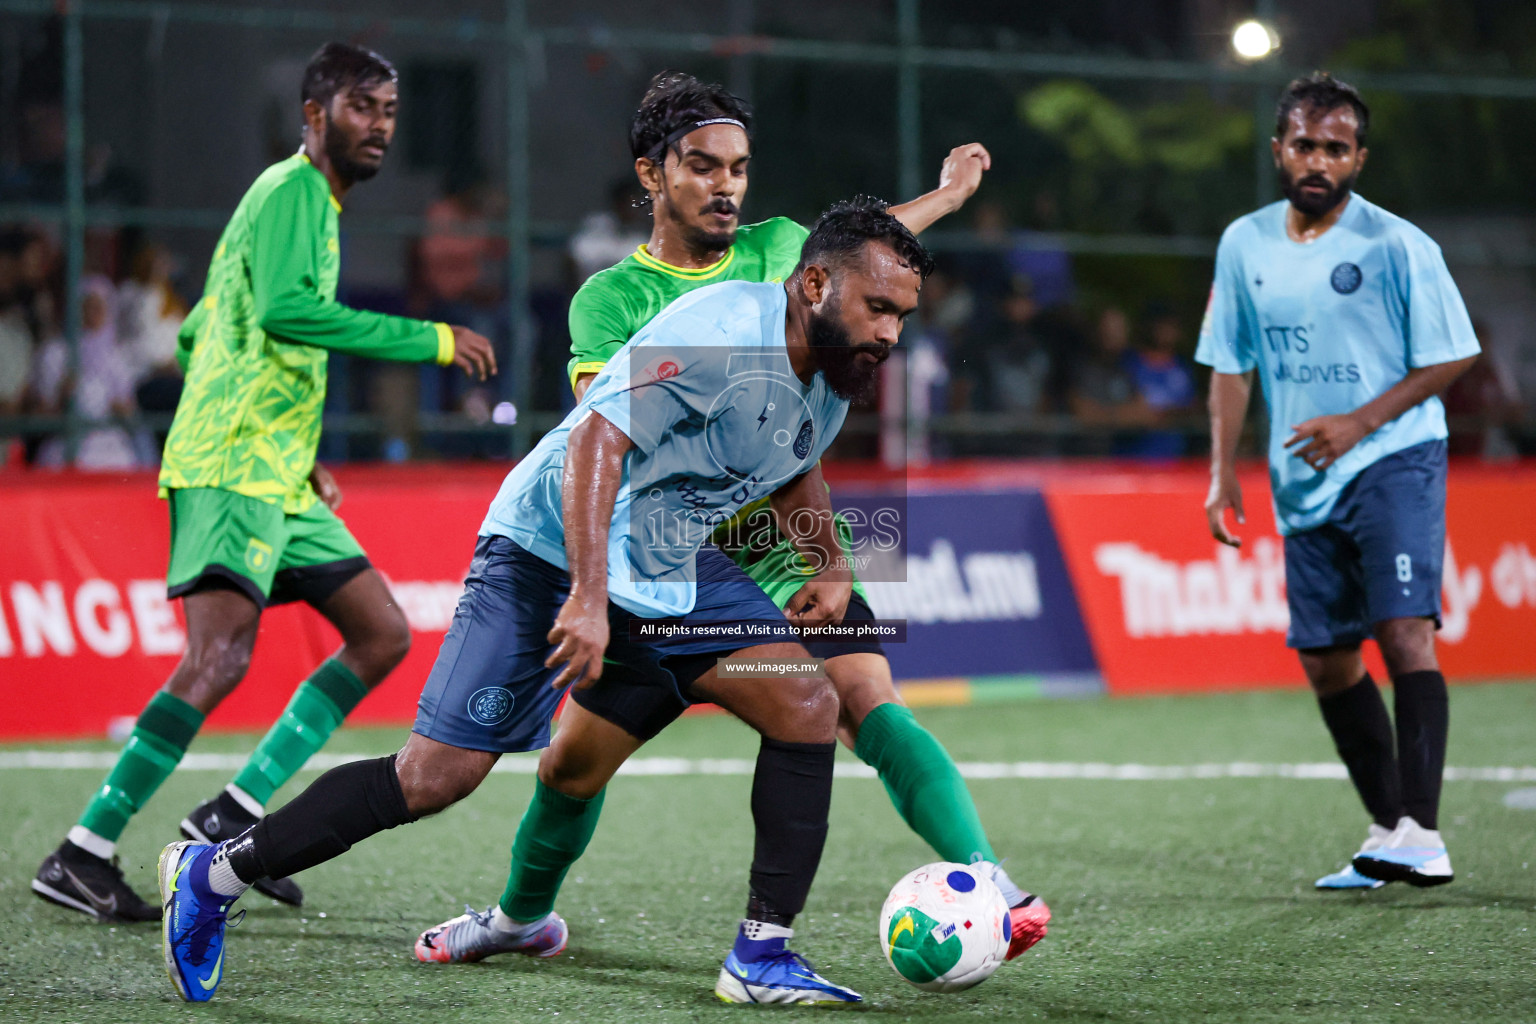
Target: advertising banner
979,581
1170,609
87,635
1003,571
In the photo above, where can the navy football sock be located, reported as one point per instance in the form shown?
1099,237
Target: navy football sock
342,807
1362,732
1423,722
791,794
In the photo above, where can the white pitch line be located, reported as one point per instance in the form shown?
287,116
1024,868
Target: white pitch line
526,764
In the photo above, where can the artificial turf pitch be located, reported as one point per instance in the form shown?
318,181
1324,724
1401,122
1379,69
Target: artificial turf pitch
1174,900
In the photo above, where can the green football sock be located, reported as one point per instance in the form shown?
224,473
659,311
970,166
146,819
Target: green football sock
160,737
553,834
924,784
318,706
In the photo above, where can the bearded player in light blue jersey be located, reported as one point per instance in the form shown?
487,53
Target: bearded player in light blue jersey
1353,325
731,394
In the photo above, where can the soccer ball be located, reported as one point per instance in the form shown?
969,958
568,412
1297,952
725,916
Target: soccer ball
945,927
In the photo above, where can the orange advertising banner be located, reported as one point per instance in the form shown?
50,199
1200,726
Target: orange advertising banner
1169,609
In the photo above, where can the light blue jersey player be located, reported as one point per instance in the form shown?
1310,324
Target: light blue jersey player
718,419
1349,318
591,575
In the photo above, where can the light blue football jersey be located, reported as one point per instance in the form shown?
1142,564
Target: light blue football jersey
718,419
1330,325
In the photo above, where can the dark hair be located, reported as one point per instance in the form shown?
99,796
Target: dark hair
847,227
675,100
340,67
1322,92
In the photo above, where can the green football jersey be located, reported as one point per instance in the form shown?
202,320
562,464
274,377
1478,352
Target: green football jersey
255,347
615,303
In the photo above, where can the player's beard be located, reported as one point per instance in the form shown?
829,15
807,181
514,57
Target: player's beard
338,150
837,357
700,239
1310,205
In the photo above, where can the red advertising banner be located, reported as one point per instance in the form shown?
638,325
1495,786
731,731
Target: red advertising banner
1168,609
86,633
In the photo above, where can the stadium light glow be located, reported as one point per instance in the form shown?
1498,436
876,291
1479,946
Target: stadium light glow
1254,40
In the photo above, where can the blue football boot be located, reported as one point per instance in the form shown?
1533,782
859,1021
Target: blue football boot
1347,877
784,977
193,921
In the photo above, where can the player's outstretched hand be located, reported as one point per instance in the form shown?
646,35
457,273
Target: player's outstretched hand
820,602
963,168
1325,439
473,352
325,486
1226,493
580,636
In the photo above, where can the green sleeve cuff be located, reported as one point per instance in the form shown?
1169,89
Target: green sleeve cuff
444,344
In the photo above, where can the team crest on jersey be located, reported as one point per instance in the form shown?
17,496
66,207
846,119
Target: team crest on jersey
1346,278
490,705
804,438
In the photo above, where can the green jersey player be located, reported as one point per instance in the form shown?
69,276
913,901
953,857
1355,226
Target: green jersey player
252,515
692,146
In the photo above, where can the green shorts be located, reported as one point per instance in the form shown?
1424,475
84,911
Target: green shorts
220,538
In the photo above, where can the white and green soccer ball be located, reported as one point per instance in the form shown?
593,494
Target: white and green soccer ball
945,927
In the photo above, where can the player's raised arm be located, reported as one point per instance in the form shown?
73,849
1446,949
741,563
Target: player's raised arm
803,509
959,178
594,467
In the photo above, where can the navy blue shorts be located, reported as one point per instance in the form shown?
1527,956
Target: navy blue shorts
858,611
489,689
1377,557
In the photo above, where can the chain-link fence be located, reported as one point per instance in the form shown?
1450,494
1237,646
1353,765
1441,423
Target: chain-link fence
1123,142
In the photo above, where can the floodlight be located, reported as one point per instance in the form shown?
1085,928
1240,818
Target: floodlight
1254,40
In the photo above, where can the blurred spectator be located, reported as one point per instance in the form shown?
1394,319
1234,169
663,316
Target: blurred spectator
1013,368
1165,381
1102,391
607,236
457,259
1007,256
15,333
1035,256
15,358
458,280
917,386
149,315
101,387
1483,405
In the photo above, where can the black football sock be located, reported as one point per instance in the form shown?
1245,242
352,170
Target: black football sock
1362,733
1423,714
344,806
791,794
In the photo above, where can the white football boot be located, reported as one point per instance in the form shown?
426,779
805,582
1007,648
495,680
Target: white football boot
1411,854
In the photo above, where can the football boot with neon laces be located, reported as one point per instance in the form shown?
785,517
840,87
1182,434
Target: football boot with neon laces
193,922
783,977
